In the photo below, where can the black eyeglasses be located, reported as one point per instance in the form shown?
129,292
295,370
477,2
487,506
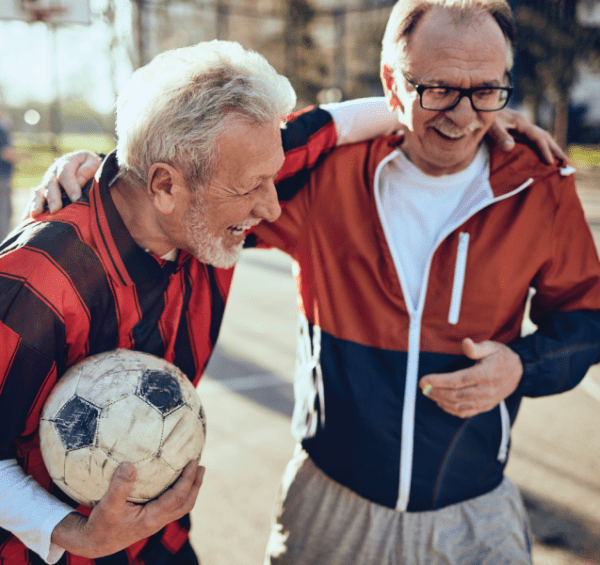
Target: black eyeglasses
444,98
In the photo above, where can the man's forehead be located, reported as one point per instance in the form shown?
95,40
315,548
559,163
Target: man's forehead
249,153
441,45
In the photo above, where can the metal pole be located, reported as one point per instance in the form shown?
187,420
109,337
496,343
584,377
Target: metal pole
144,31
339,61
222,20
55,111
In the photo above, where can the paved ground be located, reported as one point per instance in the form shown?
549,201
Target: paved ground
248,397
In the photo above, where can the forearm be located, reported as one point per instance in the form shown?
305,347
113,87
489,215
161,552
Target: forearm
29,512
557,356
362,119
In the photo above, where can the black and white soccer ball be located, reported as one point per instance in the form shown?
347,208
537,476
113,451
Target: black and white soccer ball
120,406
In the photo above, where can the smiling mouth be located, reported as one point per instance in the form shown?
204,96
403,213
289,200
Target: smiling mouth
452,136
239,230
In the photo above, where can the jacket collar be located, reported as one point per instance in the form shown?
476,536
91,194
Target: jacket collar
513,168
126,262
508,170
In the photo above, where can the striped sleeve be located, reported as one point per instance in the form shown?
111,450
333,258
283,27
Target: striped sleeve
27,373
307,137
50,306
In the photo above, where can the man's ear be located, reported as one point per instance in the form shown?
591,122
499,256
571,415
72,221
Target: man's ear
388,82
165,184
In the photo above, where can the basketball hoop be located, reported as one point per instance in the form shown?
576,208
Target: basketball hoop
44,13
48,11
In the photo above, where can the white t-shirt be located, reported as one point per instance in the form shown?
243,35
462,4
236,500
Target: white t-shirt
416,208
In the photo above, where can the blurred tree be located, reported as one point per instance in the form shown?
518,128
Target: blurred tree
551,40
367,30
304,64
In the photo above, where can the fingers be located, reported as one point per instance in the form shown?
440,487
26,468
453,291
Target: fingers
464,407
115,523
478,351
35,205
180,498
120,487
48,194
88,169
71,175
544,143
458,398
52,194
556,151
495,375
39,201
501,137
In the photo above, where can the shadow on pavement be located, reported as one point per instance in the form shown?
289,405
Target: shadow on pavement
558,527
266,389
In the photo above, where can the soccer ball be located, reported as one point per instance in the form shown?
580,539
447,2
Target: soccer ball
120,406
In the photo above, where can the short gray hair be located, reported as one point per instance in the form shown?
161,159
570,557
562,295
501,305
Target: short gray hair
173,109
406,14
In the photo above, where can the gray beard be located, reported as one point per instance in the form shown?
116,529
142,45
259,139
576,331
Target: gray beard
204,246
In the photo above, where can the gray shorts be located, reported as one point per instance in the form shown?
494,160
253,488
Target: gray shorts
320,522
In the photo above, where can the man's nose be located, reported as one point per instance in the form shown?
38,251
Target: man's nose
463,113
268,207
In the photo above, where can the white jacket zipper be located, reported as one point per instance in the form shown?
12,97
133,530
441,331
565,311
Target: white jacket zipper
459,278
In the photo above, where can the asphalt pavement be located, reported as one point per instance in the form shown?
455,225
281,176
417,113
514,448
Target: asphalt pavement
248,398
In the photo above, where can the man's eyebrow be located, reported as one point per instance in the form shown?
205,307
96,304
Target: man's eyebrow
483,84
269,177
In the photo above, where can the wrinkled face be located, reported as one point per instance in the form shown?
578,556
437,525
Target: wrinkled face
241,194
441,54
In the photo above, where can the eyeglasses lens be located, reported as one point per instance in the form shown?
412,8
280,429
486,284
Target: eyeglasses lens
483,99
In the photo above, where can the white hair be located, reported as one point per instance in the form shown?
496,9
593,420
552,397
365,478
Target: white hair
406,15
173,109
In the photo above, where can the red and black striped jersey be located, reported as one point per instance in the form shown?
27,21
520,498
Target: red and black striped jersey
75,284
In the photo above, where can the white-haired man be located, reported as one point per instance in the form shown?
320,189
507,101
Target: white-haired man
144,263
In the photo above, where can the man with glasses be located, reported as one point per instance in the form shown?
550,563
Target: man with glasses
416,255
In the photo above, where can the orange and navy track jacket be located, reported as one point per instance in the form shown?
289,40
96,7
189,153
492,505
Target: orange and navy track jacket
361,350
75,284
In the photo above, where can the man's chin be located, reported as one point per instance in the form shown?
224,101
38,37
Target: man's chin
220,257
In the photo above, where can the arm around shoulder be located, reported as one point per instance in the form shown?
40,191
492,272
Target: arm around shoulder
566,303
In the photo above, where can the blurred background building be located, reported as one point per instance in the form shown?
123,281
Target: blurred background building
328,48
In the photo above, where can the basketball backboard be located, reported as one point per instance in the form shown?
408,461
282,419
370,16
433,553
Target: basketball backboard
52,11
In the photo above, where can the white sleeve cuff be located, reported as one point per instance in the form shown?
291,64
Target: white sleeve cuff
362,119
30,512
51,552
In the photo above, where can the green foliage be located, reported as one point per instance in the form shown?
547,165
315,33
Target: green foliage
550,43
304,62
586,156
548,49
